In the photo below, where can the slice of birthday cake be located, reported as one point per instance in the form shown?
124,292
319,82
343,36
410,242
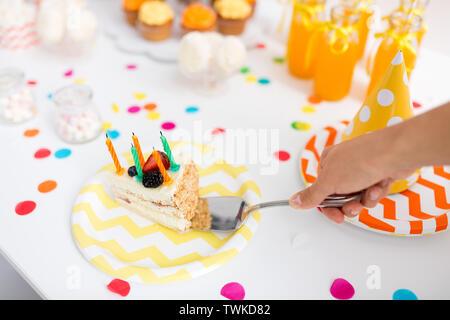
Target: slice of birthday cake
161,190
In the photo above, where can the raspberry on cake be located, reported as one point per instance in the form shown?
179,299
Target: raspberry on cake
175,205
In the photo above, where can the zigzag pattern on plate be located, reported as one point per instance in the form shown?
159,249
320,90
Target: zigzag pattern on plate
422,218
97,218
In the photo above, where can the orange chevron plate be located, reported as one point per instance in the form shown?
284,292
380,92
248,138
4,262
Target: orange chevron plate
127,246
421,210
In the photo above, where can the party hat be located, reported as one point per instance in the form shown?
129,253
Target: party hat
389,103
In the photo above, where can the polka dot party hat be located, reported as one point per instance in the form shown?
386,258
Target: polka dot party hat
389,103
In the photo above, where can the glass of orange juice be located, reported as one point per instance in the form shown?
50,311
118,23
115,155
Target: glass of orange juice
417,7
401,35
337,54
301,50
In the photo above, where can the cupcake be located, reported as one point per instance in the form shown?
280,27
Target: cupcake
198,17
233,15
130,10
155,20
252,3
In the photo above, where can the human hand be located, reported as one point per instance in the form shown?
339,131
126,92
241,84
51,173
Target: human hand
367,163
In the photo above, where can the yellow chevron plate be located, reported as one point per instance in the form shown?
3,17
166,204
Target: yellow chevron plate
127,246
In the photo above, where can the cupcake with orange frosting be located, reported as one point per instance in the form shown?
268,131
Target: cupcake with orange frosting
198,17
155,19
130,10
233,15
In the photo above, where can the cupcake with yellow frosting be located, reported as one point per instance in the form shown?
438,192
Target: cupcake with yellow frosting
252,4
233,15
155,20
198,17
131,9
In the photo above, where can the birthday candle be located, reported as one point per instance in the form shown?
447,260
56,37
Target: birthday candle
119,169
167,179
136,162
139,151
173,165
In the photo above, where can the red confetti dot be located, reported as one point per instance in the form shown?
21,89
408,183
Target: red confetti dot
314,99
168,126
25,207
282,155
218,131
233,291
120,287
134,109
416,104
260,46
342,289
42,153
31,82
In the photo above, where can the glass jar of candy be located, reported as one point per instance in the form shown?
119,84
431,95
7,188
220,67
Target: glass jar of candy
77,119
17,103
337,54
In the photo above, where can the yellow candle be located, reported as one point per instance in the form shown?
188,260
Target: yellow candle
119,169
167,179
139,151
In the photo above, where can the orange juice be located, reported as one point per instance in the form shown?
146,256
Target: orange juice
399,36
301,49
337,55
363,29
416,7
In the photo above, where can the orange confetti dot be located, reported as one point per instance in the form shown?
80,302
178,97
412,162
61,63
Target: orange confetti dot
47,186
314,99
31,133
150,106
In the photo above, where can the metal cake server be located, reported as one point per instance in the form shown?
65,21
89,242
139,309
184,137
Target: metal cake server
229,213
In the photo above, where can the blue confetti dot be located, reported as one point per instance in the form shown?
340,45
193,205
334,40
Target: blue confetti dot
404,294
191,109
113,134
50,96
263,81
63,153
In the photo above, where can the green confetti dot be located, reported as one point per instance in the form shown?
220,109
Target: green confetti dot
303,126
278,60
245,70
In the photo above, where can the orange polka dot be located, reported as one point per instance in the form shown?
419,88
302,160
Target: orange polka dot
314,99
47,186
31,133
150,106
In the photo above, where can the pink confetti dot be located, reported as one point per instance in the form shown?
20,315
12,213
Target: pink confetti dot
282,155
42,153
342,289
25,207
416,104
120,287
134,109
131,66
168,126
260,46
68,73
233,291
217,131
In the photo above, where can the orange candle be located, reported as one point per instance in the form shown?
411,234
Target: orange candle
139,151
119,169
167,179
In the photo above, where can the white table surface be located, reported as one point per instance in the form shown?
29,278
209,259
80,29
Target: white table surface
40,245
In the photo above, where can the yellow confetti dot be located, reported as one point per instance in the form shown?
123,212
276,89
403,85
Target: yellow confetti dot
251,78
79,80
140,95
153,115
106,126
115,108
309,109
